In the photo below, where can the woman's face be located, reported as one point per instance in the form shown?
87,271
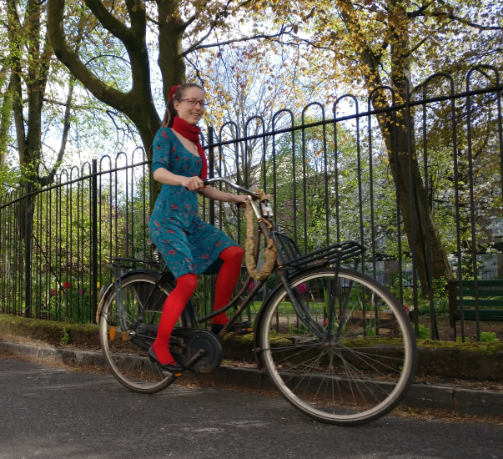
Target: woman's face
190,108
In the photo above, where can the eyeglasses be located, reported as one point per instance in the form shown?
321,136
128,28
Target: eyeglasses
194,102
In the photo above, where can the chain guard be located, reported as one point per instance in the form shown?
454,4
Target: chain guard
195,341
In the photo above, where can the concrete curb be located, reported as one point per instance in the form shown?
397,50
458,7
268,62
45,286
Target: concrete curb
444,398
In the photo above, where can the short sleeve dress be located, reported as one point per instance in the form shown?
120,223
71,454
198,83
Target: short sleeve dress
186,243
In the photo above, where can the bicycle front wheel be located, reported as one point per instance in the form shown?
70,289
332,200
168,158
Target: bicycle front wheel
349,367
125,337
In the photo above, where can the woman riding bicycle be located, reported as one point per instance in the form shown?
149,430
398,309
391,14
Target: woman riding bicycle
188,245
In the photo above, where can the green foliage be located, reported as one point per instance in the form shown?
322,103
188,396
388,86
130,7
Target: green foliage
9,180
424,333
65,339
488,337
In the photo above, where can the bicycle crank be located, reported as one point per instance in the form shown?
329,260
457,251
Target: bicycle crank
204,352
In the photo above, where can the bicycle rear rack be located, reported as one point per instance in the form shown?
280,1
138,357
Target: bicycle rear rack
126,264
334,254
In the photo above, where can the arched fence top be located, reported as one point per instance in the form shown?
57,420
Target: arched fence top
479,68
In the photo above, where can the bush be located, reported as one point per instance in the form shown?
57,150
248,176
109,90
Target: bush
424,333
460,340
441,306
488,337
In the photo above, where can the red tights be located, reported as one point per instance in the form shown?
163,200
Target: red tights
185,286
226,280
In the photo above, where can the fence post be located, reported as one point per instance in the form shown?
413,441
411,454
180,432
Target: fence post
211,163
27,251
94,240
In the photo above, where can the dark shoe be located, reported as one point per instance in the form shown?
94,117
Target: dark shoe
236,326
172,367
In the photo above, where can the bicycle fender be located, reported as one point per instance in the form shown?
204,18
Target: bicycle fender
106,290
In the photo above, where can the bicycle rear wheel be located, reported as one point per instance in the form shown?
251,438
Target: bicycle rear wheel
358,375
125,343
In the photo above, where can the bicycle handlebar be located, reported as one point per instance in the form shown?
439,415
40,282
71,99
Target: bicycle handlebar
231,184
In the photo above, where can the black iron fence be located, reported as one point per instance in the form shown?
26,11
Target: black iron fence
416,176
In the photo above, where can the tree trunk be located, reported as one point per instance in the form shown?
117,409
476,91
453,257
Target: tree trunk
405,168
138,103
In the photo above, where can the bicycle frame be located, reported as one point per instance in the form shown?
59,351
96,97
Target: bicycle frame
289,262
285,261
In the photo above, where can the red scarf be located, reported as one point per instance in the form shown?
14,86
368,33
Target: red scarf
191,133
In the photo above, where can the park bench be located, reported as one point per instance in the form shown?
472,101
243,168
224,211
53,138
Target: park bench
490,301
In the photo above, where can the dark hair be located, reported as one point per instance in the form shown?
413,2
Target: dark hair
169,116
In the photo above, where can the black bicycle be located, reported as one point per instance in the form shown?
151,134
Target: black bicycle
336,344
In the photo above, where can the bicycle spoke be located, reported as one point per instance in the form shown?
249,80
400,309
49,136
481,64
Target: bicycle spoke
128,362
344,379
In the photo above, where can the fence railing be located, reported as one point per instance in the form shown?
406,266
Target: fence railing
418,181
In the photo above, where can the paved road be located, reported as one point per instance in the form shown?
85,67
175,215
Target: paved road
52,413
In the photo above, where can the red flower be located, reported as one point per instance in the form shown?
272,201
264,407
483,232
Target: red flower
159,147
173,150
204,256
157,224
53,292
170,232
218,243
188,259
166,136
178,158
188,206
66,284
302,288
171,252
174,207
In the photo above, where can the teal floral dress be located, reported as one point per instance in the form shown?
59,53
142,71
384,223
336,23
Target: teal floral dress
186,243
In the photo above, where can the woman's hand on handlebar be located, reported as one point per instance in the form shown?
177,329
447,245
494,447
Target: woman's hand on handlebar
240,200
193,183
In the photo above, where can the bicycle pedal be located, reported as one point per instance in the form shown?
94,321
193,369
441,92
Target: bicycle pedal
168,374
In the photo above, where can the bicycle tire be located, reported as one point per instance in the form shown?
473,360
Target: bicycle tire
127,361
361,374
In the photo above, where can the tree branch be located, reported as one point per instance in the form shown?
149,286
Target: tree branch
100,90
283,31
419,11
66,129
198,74
211,28
415,48
113,56
465,21
108,20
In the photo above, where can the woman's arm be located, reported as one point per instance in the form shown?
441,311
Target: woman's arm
166,177
213,193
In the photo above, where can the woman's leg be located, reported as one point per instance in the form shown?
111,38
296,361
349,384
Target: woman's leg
226,280
171,311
